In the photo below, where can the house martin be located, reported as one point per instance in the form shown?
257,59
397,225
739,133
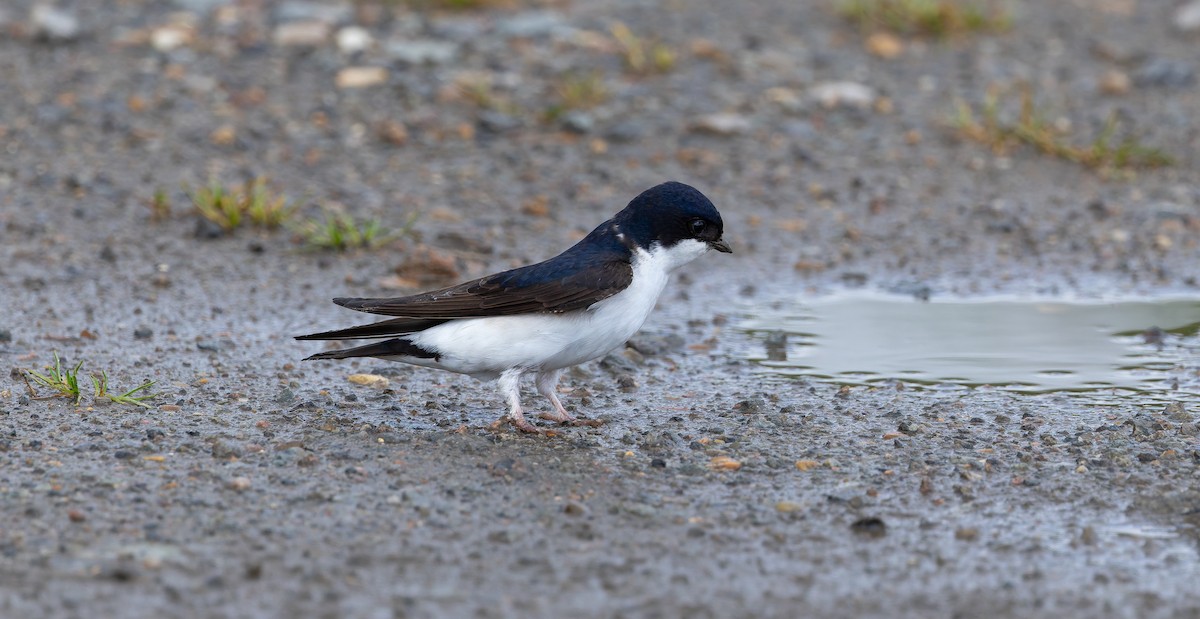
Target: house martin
543,318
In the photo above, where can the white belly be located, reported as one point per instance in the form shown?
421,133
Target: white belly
485,347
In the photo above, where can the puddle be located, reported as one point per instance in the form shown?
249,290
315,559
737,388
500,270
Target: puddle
1031,346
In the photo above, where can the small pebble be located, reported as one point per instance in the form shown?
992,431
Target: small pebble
966,534
724,463
353,39
722,124
843,94
374,381
301,34
884,45
1187,17
361,77
869,527
1115,82
787,507
239,484
54,24
421,51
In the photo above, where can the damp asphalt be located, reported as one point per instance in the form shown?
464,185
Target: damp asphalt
817,476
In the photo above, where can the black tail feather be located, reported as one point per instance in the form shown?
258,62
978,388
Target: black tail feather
386,328
398,347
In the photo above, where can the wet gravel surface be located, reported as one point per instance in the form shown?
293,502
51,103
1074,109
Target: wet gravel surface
257,486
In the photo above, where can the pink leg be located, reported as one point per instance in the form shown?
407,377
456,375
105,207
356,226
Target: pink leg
547,384
510,386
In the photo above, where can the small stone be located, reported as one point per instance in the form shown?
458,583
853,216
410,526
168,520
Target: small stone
753,406
300,10
578,122
206,229
724,463
575,508
54,24
1187,17
1176,412
5,336
225,135
426,266
884,45
807,465
869,527
210,345
787,507
239,484
143,333
1165,73
373,381
843,94
286,396
76,516
421,51
625,131
786,98
966,534
168,38
361,77
301,34
353,39
533,24
393,132
498,122
1115,82
723,124
200,7
224,451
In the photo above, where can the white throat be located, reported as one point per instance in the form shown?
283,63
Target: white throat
668,258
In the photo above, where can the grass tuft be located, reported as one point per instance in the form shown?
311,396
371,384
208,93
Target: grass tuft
933,18
160,205
100,384
580,91
342,232
231,207
641,56
1032,129
65,383
577,91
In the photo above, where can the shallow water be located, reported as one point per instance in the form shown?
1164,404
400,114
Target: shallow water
1023,345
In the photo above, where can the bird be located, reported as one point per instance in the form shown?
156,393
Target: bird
543,318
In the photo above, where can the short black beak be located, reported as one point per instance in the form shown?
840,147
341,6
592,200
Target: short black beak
720,246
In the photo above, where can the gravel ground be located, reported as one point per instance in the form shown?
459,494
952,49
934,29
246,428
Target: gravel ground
257,486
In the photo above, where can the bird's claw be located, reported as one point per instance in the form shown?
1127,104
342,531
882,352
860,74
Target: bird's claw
571,420
518,423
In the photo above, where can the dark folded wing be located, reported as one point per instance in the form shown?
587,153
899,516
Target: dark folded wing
533,289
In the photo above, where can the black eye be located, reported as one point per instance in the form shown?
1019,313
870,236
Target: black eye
698,226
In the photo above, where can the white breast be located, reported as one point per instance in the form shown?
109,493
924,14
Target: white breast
484,347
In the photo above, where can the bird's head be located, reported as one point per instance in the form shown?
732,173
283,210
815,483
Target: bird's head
674,217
